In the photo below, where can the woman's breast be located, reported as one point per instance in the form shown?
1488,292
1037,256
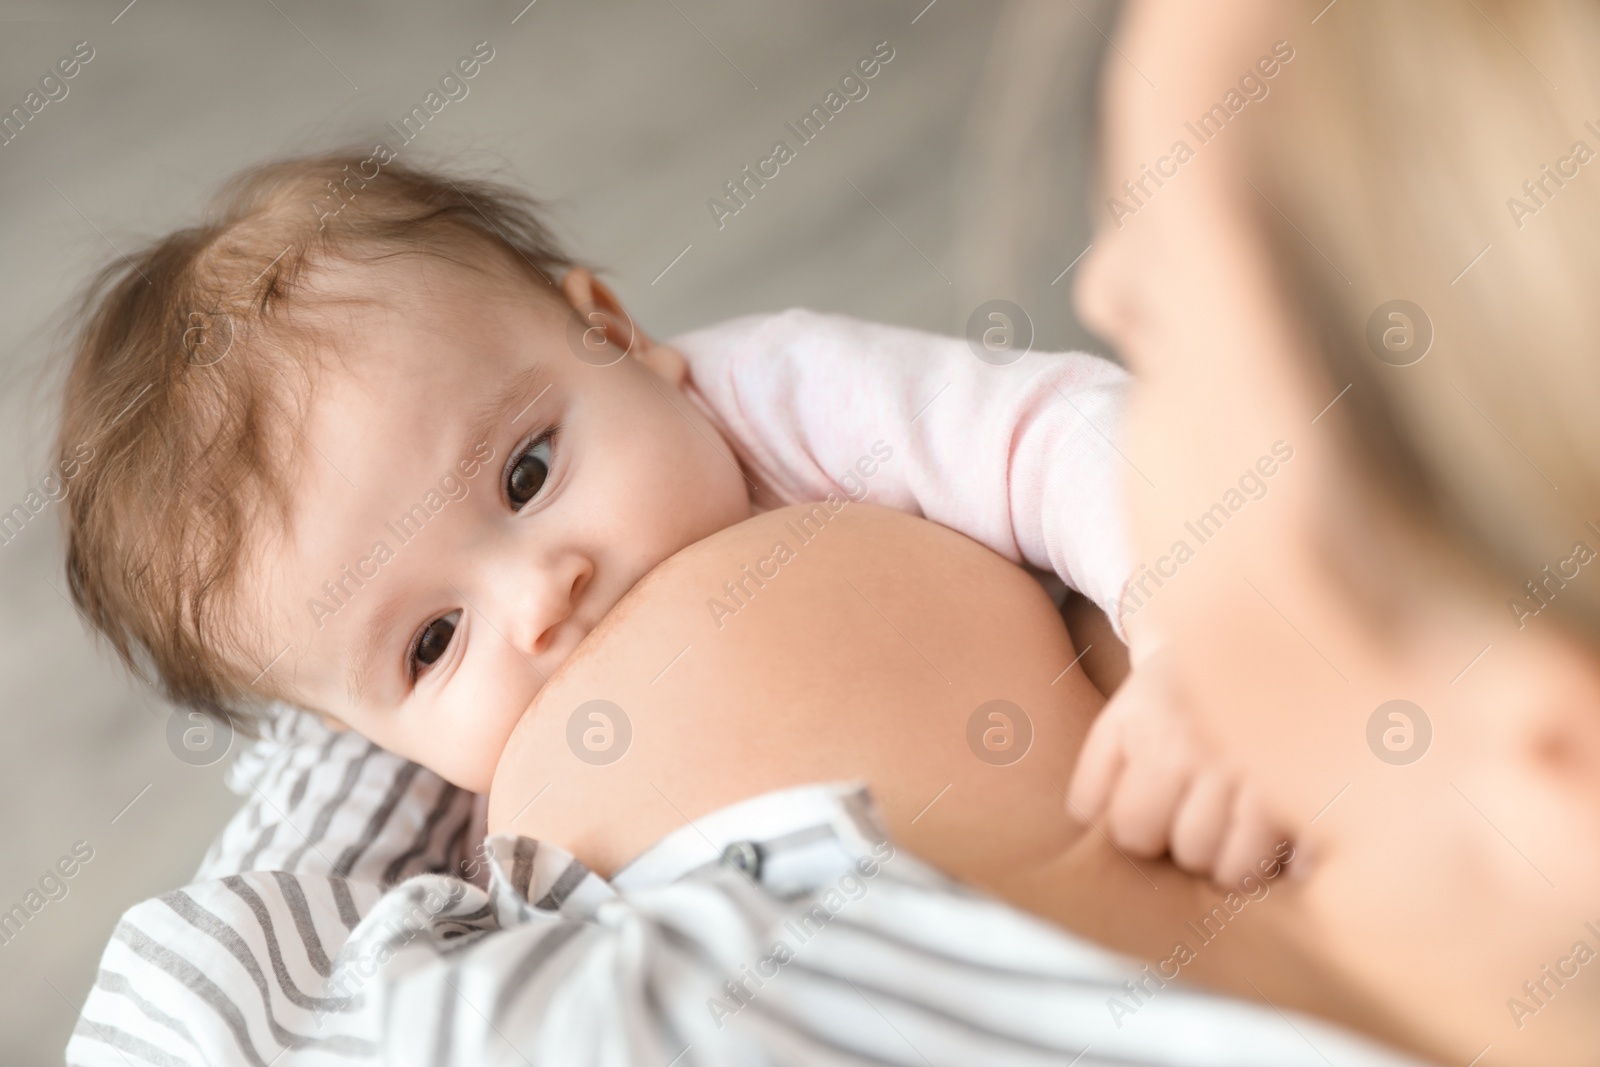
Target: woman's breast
806,645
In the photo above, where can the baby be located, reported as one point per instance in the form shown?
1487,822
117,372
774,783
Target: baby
392,463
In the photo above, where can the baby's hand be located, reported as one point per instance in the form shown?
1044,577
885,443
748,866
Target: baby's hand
1144,770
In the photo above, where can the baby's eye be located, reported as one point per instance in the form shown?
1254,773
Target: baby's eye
528,472
431,643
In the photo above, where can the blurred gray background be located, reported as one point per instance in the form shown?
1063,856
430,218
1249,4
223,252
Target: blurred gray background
968,159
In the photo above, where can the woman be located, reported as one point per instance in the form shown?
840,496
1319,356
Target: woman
1364,492
1402,554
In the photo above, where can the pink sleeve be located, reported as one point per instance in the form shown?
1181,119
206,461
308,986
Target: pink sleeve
1018,457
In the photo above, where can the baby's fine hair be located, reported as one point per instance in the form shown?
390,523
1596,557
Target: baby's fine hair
188,379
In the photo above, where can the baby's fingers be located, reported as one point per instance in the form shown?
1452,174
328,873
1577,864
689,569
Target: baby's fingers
1250,839
1100,764
1145,801
1202,822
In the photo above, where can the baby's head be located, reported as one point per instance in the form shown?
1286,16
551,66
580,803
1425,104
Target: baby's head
369,443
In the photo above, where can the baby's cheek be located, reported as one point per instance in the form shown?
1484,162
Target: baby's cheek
678,516
463,752
695,485
480,775
487,746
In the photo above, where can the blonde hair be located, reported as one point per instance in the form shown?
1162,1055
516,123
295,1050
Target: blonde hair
1392,167
184,381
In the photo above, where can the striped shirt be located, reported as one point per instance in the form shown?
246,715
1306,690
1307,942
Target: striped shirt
784,929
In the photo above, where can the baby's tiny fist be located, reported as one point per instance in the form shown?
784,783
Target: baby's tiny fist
1144,778
1136,766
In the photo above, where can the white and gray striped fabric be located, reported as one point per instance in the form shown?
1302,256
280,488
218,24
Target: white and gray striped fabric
783,930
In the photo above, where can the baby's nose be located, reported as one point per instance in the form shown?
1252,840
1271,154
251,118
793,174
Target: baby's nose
553,598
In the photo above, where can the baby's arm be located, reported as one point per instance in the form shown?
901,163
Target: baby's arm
1019,457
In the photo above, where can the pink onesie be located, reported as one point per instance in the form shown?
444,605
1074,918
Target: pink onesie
1020,457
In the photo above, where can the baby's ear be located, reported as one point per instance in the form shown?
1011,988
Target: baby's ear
599,307
582,289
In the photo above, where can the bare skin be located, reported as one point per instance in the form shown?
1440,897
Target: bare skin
809,682
865,658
